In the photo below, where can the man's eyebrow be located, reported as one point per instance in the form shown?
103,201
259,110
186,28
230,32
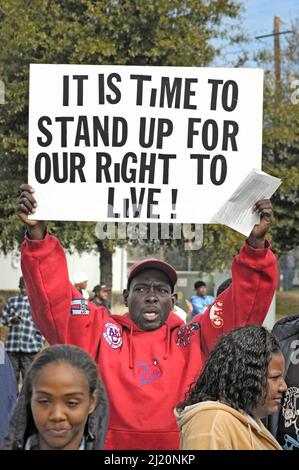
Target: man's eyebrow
65,395
154,283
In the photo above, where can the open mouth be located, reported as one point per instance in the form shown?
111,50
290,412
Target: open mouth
150,316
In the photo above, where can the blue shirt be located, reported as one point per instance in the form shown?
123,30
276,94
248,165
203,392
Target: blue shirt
200,303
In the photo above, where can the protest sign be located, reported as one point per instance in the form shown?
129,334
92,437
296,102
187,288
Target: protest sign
141,144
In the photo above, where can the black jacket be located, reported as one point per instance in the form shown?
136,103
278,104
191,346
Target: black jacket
286,331
95,430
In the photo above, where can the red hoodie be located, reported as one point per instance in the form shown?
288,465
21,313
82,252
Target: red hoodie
146,372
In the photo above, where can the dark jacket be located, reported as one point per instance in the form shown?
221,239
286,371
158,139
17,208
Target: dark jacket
286,331
8,392
21,426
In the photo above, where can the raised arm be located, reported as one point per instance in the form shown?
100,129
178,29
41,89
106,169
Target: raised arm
254,280
58,309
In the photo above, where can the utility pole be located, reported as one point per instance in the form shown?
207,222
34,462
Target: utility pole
162,252
277,59
276,34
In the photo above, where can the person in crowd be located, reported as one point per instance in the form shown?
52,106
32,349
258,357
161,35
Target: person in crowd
147,356
23,339
287,264
178,310
284,424
62,406
80,282
100,298
2,327
1,306
8,392
189,308
200,300
242,382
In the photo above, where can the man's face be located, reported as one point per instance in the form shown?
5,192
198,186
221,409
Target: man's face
276,387
149,299
201,291
102,294
82,285
23,291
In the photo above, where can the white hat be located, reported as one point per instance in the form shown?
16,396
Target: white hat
79,276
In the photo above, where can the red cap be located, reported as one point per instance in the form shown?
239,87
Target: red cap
153,263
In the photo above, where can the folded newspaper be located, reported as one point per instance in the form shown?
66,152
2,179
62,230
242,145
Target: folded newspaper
237,212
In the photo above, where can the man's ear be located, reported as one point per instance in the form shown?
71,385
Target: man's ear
173,300
125,296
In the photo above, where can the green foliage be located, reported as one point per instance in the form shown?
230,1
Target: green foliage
219,245
129,32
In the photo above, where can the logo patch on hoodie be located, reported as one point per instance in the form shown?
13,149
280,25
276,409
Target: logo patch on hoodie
216,314
112,335
149,374
185,333
79,306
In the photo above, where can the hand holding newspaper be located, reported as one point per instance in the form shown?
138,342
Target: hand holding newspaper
237,212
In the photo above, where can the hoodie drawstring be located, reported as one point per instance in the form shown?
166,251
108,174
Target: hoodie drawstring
167,345
131,348
165,357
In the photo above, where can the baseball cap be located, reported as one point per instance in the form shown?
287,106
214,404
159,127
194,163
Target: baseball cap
99,287
153,263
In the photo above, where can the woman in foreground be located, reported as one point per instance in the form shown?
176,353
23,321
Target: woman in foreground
63,404
241,383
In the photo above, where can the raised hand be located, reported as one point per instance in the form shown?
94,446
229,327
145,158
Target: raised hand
265,210
26,205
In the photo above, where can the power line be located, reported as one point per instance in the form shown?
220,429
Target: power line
273,34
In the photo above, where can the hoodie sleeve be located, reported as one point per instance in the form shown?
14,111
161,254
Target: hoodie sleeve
58,309
246,301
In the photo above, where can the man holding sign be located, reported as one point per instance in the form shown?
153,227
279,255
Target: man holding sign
147,357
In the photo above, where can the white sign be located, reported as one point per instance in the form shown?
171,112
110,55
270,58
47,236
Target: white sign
141,144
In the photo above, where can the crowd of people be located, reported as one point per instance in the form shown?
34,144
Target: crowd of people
147,379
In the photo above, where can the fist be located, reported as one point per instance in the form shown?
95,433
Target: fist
26,205
264,209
